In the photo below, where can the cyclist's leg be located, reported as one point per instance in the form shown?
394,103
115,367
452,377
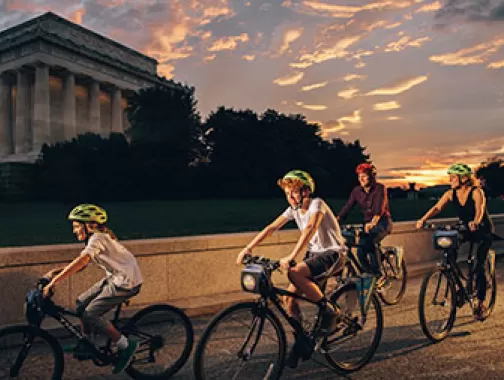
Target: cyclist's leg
484,245
291,304
372,240
84,299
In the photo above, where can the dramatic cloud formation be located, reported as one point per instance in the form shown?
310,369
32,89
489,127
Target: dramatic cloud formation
314,86
404,42
470,56
228,43
349,77
289,37
430,7
344,122
339,50
289,79
313,107
399,87
386,106
348,93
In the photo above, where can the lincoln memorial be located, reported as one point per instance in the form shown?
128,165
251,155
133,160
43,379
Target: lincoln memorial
59,80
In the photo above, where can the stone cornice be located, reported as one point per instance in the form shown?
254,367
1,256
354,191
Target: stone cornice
86,38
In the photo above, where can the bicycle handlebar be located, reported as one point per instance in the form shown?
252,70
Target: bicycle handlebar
268,264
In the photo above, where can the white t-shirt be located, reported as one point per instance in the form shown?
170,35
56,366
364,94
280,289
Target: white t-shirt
119,263
328,235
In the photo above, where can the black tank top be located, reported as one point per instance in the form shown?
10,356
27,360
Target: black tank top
467,211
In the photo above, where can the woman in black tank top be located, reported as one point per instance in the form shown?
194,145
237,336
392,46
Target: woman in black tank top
473,212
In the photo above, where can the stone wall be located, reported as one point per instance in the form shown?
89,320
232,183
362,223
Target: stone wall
179,269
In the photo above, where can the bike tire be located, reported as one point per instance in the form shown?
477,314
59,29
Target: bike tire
153,316
259,315
392,298
446,326
33,334
345,367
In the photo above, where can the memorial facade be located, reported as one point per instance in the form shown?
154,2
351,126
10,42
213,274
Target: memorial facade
59,80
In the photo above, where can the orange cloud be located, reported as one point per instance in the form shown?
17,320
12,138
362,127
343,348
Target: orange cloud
289,79
470,56
344,11
314,86
228,43
336,51
300,65
350,77
77,15
430,7
339,125
386,106
348,93
496,65
404,42
360,65
249,57
399,87
289,37
209,58
211,13
392,118
313,107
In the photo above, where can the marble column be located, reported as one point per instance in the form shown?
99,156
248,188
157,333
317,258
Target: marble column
22,138
69,107
94,108
117,111
42,108
6,146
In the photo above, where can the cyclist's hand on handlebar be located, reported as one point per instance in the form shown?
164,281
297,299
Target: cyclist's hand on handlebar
419,224
472,226
241,255
287,262
48,290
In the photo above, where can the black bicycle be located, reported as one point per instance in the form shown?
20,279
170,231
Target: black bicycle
164,334
449,286
247,340
392,267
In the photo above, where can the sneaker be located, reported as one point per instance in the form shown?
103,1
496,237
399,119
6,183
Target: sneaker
480,312
125,356
330,319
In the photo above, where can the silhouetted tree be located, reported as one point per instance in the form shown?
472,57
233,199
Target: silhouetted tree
491,174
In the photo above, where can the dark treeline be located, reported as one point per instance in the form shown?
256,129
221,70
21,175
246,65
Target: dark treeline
170,153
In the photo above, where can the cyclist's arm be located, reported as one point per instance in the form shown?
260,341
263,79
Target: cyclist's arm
76,265
307,234
347,207
480,204
380,205
267,231
438,207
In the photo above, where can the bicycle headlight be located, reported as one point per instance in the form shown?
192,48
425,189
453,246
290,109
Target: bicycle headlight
248,282
254,279
444,242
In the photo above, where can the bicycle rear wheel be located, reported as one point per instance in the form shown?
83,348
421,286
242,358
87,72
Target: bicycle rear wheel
357,337
29,353
491,293
245,341
437,305
395,278
165,336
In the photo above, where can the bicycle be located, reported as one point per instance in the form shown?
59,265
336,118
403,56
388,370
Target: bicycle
164,333
392,266
452,288
247,340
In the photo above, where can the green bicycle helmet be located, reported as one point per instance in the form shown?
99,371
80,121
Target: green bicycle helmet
88,213
305,178
460,169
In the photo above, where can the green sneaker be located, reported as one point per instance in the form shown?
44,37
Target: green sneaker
125,356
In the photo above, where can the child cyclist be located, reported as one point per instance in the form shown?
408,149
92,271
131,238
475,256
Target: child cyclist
122,281
320,243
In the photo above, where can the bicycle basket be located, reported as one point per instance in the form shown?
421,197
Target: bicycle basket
446,239
255,280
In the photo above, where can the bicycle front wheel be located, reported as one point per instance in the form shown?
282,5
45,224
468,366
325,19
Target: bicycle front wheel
29,353
165,337
437,305
395,278
244,341
356,339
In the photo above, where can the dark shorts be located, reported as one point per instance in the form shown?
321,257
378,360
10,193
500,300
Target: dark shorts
322,264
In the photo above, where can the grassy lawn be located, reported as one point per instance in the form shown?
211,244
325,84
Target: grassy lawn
45,223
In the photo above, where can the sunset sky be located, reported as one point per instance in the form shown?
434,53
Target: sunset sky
419,82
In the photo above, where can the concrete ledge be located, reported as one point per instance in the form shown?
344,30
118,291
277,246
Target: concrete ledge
196,273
